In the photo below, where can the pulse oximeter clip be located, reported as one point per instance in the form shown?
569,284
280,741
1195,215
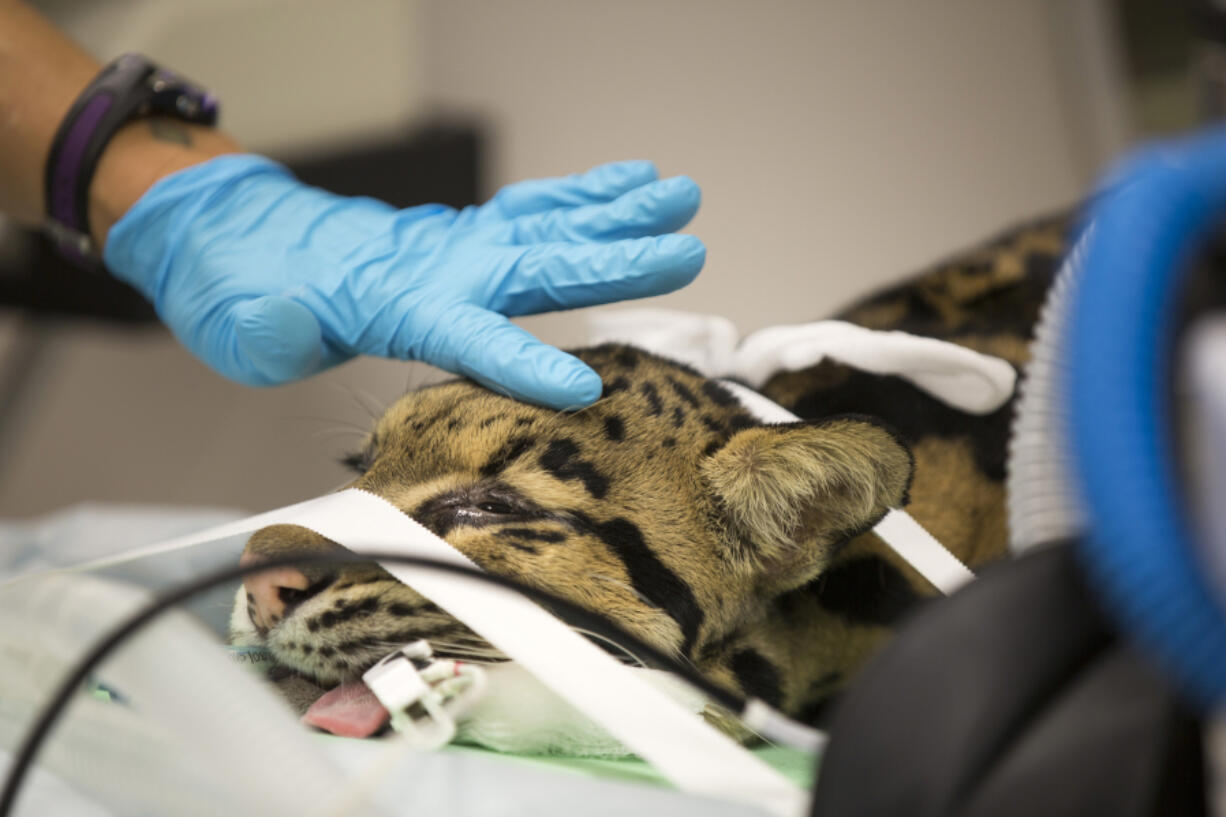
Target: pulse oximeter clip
423,694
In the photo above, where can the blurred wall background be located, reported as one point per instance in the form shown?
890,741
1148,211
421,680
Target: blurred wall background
839,146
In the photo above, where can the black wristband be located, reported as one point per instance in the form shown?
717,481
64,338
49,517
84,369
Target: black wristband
129,86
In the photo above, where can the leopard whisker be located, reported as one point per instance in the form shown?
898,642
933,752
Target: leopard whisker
331,420
446,650
328,433
365,400
472,647
473,644
416,371
576,412
612,643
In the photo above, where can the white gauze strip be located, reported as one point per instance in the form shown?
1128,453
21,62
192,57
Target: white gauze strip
898,529
681,745
963,379
967,380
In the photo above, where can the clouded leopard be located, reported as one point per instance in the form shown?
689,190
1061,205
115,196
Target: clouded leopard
746,549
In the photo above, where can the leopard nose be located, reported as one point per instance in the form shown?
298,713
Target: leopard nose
268,590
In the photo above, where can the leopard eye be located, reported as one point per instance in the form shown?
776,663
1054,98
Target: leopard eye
291,595
500,508
358,461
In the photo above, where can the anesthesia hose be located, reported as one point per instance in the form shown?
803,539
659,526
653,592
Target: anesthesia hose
1140,551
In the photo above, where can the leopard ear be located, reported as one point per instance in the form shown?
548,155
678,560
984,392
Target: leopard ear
790,494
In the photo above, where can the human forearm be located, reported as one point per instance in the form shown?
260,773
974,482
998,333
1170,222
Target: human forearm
41,73
142,152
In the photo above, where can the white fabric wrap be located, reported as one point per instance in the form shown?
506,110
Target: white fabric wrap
964,379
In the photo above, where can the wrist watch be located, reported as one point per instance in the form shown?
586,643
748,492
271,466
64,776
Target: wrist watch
128,87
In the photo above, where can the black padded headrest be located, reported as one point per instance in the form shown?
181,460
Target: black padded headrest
1011,697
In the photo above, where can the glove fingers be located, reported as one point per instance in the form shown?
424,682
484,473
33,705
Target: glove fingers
652,209
600,184
568,276
276,340
486,347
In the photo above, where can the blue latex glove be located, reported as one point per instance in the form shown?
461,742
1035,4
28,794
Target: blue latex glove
268,280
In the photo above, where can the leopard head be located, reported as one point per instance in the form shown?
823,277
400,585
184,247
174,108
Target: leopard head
664,506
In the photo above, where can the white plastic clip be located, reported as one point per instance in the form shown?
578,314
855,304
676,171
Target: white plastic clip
424,695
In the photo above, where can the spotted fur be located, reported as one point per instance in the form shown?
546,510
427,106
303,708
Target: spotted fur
744,549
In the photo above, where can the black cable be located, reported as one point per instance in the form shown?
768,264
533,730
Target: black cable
572,613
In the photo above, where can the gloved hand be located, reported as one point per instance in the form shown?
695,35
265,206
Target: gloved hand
268,280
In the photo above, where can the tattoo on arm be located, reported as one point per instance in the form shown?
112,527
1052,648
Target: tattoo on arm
167,131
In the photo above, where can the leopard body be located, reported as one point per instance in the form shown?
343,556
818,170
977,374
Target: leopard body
745,550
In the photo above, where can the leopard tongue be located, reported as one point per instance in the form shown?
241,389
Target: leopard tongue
350,710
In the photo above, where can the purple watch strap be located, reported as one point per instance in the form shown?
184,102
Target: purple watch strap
62,206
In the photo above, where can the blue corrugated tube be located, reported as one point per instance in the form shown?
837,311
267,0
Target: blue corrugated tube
1161,207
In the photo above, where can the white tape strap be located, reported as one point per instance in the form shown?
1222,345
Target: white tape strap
764,408
898,529
686,750
280,516
922,551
